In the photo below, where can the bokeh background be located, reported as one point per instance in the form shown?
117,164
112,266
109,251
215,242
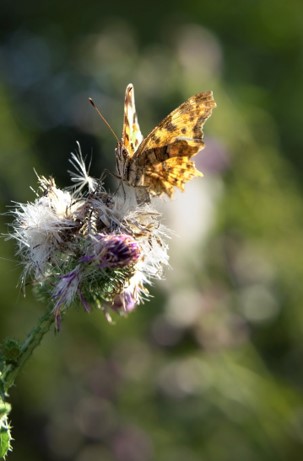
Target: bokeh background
211,368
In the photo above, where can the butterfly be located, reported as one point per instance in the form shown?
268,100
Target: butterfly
159,163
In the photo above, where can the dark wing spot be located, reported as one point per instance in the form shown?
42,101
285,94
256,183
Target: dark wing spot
170,127
161,154
156,139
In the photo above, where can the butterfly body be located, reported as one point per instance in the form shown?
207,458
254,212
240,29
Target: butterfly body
160,162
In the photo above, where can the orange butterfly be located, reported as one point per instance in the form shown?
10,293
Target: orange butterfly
162,161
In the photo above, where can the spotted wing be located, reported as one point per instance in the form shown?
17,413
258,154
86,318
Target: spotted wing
164,156
131,133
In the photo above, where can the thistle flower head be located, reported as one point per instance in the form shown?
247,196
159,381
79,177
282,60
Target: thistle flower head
85,245
113,251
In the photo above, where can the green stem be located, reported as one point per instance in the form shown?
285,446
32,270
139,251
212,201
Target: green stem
30,343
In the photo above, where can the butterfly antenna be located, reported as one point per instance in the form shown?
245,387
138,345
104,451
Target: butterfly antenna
103,118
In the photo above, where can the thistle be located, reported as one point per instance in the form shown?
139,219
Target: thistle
85,246
80,245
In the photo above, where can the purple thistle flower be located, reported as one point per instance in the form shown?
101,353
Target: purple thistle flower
113,251
65,291
70,244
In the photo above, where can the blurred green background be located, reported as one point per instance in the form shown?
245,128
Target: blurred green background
211,368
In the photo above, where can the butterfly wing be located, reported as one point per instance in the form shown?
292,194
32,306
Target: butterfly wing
163,178
162,160
131,133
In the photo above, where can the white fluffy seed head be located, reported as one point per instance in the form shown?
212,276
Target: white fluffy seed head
56,236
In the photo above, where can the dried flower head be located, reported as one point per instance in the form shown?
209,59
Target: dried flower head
85,245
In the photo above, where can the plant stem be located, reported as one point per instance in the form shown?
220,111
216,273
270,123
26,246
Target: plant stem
30,343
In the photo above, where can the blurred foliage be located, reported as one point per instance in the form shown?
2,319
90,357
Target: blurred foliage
211,367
